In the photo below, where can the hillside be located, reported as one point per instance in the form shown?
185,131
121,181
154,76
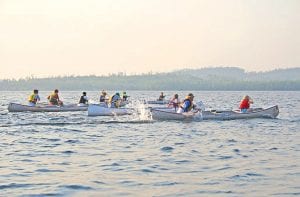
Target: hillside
219,78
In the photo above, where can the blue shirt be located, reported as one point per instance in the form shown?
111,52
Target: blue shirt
186,105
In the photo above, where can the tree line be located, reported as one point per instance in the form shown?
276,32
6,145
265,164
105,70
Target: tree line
231,79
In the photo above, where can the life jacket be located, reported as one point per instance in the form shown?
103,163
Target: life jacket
110,99
190,107
32,98
102,98
83,100
53,98
113,98
124,97
115,101
161,97
244,104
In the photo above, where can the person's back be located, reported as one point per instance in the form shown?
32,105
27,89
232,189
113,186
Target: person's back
245,103
33,98
161,96
103,97
54,98
83,99
124,96
115,100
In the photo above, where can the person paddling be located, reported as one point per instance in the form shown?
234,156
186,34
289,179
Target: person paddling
54,98
34,98
103,97
125,96
161,97
174,102
187,104
245,104
115,100
83,99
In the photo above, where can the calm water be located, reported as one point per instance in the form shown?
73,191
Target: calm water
70,154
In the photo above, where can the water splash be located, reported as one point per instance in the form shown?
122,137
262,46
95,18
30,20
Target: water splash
142,111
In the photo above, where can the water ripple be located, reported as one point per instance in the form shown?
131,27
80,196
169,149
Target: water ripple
71,154
15,185
76,187
167,149
48,170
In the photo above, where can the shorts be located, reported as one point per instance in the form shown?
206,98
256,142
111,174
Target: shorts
244,110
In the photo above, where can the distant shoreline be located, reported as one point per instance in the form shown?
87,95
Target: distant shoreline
208,79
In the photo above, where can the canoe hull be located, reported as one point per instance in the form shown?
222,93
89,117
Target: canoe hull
164,102
97,110
168,114
15,107
271,112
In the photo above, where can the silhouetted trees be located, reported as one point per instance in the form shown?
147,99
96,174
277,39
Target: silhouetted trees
229,78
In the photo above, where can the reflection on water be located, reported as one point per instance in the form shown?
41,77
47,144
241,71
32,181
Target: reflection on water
72,154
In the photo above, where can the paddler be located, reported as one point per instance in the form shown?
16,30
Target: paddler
34,98
187,104
174,102
115,100
245,104
161,97
103,97
125,97
83,99
54,98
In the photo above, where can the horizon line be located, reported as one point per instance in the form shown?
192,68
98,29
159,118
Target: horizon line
122,73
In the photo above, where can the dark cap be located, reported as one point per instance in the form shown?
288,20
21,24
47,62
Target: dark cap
191,95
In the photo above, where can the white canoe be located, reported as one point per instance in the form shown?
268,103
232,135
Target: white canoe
167,114
15,107
123,103
158,102
170,114
97,110
271,112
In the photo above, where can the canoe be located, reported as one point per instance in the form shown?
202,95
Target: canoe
271,112
97,110
158,102
15,107
169,114
122,104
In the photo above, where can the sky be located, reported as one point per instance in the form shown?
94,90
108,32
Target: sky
44,38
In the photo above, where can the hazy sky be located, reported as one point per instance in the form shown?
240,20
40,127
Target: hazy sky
64,37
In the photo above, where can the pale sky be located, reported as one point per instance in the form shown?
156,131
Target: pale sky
81,37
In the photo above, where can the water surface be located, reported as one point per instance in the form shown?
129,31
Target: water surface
71,154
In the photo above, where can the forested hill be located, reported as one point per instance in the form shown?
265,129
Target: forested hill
219,78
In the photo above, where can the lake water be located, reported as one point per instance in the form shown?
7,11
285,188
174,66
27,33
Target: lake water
71,154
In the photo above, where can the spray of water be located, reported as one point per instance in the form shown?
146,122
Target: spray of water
141,110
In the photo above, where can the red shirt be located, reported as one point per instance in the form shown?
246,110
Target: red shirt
244,104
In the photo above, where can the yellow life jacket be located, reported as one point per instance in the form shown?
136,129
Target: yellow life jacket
53,98
191,103
31,98
110,99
